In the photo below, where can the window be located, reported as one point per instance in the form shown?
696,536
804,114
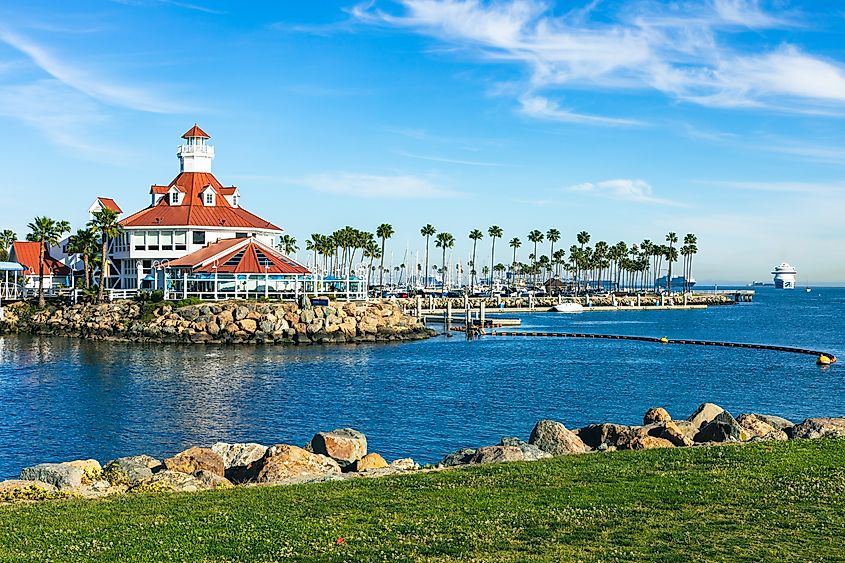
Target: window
174,198
234,260
167,240
199,237
138,240
180,240
240,235
209,198
152,240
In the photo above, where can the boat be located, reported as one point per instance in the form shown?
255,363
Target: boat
568,308
678,282
785,276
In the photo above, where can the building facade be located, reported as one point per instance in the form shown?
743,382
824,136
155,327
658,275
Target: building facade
184,216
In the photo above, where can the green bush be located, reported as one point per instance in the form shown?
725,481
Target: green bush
188,301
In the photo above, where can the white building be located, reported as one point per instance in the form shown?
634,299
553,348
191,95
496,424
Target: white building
192,211
785,276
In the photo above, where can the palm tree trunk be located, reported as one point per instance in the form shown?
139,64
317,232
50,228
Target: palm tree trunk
87,271
425,273
41,302
103,269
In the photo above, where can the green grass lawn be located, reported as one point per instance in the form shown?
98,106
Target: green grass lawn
776,501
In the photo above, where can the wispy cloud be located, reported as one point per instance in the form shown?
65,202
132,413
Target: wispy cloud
623,189
683,50
452,160
176,3
808,188
374,186
84,81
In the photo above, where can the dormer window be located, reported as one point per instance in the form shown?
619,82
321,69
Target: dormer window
174,198
208,196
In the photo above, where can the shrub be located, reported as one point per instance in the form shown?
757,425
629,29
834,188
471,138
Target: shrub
188,301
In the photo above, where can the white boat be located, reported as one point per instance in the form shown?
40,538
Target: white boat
569,308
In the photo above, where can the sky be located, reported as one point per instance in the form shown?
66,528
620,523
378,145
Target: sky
627,119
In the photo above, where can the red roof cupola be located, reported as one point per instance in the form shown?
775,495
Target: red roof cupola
195,131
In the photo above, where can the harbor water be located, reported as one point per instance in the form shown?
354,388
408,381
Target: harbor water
65,399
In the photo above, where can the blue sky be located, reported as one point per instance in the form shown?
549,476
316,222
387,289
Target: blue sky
626,119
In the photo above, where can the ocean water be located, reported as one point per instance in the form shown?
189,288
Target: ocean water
64,399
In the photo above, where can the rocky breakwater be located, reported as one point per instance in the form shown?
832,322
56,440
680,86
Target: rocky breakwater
330,456
229,322
549,302
710,424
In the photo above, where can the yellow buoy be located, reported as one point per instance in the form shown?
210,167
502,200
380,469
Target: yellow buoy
823,361
664,340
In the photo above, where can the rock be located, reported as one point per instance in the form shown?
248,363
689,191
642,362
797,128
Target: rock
135,468
61,475
656,415
404,464
530,452
679,433
704,414
755,426
369,461
343,445
776,421
235,455
248,325
616,435
168,480
723,428
90,467
212,480
22,489
194,459
285,463
554,438
496,454
459,457
647,442
810,428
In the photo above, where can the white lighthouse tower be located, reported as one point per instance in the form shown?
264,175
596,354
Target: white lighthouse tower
195,155
785,276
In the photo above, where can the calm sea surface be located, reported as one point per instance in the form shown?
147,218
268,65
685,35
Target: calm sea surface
63,399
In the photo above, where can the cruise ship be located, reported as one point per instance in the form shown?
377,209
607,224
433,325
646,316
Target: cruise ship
785,276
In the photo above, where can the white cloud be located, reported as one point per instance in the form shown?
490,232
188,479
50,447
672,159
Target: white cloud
624,190
374,186
86,82
681,49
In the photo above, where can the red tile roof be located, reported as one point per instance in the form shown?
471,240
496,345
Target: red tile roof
195,131
109,203
239,256
26,254
192,212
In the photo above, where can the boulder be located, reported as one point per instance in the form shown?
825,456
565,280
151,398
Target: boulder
286,463
647,442
679,433
554,438
810,428
369,461
404,464
778,422
496,454
194,459
530,452
460,457
21,489
136,468
343,445
168,480
91,469
656,415
602,436
212,480
723,428
235,455
755,426
61,475
704,414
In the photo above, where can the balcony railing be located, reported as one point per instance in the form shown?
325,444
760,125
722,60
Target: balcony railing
194,149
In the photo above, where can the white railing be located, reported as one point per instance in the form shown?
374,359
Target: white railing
191,149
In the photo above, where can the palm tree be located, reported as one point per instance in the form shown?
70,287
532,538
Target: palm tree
313,245
536,237
475,235
689,249
552,235
84,243
583,238
7,239
427,231
494,232
384,232
515,243
45,231
444,240
287,244
671,256
106,223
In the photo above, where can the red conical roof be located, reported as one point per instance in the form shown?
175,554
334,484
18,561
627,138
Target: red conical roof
195,131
